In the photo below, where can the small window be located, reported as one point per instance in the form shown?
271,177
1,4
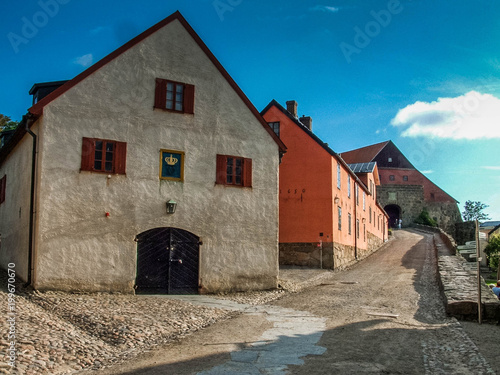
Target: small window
349,227
276,127
348,186
174,96
405,178
338,175
391,177
3,188
103,155
357,195
364,201
340,217
433,196
370,210
389,160
357,228
234,171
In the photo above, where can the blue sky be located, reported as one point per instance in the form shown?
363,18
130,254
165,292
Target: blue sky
424,74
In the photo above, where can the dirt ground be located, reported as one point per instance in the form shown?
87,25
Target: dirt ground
385,315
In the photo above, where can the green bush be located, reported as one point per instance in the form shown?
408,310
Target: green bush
425,219
492,250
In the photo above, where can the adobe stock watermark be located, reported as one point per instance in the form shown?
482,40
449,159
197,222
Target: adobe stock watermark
223,6
11,315
363,37
32,25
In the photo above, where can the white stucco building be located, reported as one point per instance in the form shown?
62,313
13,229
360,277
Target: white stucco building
158,120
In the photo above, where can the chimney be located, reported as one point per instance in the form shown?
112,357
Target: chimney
291,106
307,122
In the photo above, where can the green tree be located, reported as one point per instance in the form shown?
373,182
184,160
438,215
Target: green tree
473,210
492,250
6,123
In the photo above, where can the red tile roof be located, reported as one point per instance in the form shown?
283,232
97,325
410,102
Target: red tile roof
364,154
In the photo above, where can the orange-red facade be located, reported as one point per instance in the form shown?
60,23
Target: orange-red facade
320,199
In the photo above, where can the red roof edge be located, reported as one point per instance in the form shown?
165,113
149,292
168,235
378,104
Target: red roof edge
364,154
37,109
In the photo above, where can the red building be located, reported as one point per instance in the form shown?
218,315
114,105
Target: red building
404,191
328,216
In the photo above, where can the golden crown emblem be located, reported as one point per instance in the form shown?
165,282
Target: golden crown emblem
171,160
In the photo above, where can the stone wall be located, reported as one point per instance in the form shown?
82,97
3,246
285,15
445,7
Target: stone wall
410,198
343,256
307,254
327,256
374,242
458,281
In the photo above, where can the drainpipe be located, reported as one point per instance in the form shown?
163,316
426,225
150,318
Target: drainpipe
32,200
355,222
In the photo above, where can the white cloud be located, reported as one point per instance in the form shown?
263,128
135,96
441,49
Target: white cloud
85,60
470,116
428,171
324,8
491,168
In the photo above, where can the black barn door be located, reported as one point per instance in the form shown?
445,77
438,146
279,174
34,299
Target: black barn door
167,261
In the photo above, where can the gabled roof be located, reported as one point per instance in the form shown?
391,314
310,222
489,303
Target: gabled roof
364,154
315,138
37,109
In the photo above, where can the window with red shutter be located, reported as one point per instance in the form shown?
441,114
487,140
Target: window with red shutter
233,171
174,96
103,155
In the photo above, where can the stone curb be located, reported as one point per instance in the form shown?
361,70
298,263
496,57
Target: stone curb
458,282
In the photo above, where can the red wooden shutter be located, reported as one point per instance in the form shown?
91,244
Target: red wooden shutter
88,153
121,157
189,98
3,187
221,169
161,93
247,172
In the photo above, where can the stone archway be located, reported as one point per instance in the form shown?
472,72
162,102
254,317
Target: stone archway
394,212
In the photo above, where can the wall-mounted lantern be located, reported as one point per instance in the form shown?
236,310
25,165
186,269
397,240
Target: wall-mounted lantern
336,200
171,206
364,220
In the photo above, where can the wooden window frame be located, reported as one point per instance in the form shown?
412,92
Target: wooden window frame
118,162
275,126
161,96
339,212
348,186
222,169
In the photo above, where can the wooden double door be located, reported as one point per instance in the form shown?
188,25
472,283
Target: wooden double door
167,261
